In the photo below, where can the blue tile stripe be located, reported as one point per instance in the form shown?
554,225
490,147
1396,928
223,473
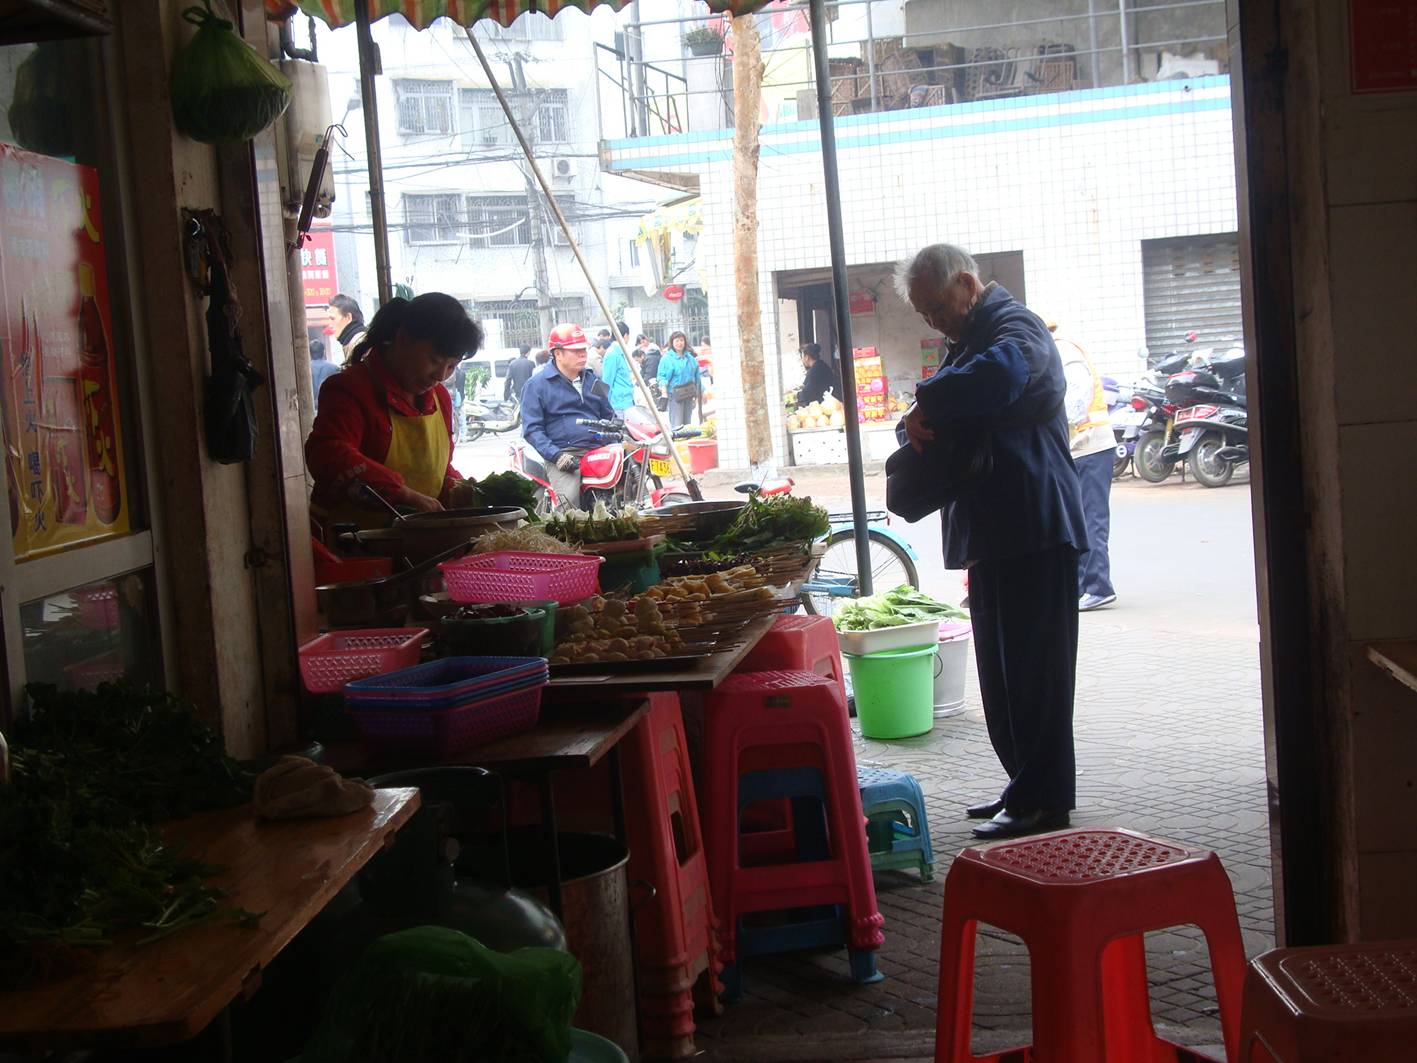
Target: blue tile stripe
873,130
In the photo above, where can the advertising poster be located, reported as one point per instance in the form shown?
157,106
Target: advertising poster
63,447
872,402
929,357
317,267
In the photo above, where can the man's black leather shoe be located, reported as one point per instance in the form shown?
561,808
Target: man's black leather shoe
985,811
1017,824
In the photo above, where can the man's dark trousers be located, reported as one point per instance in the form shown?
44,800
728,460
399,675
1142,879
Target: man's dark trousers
1095,481
1025,616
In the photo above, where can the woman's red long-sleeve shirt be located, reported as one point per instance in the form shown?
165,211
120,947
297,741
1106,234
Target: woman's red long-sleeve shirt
350,439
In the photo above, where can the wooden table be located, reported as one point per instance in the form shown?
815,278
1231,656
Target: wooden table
705,674
171,990
1398,659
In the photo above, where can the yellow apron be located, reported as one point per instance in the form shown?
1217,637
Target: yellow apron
419,451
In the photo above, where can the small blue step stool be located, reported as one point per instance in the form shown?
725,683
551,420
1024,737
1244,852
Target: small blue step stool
793,930
897,834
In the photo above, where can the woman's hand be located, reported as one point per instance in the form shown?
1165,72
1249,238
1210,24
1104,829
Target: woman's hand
916,430
409,497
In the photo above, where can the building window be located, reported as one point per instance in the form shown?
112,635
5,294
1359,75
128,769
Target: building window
432,219
425,107
633,256
543,116
502,221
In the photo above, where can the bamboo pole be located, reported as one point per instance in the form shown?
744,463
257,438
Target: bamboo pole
690,483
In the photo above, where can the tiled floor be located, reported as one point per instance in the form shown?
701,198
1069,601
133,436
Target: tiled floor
1169,742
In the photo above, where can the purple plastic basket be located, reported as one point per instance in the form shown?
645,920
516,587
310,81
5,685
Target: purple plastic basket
447,732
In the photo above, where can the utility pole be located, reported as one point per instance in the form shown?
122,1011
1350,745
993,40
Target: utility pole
536,230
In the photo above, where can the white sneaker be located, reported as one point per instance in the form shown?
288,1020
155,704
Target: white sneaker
1089,602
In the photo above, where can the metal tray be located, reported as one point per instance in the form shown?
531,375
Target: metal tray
657,664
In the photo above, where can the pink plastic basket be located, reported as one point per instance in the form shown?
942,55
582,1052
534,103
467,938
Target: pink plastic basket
447,732
330,661
509,576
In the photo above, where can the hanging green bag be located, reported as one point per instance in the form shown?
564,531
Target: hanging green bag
223,92
39,111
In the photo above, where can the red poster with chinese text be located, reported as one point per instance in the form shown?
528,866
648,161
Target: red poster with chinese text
63,446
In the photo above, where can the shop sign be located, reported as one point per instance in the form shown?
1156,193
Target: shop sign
317,267
929,357
674,292
61,425
872,400
1382,37
861,303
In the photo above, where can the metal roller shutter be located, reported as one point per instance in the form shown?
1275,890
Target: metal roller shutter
1192,284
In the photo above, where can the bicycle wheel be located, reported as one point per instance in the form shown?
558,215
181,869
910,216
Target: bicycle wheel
836,577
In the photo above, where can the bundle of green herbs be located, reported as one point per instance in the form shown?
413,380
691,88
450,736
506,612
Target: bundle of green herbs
774,521
80,862
903,605
504,489
601,525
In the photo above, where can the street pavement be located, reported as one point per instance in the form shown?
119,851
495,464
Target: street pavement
1169,742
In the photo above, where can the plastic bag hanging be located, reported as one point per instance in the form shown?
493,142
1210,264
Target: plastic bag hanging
223,92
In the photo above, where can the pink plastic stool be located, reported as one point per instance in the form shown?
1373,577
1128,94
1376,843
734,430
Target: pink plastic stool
771,722
675,936
1081,900
1335,1003
797,643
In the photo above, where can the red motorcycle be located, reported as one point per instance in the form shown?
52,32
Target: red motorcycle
633,467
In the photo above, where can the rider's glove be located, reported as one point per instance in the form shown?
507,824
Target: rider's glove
568,461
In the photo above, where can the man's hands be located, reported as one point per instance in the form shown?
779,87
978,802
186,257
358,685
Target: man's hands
916,430
409,497
568,461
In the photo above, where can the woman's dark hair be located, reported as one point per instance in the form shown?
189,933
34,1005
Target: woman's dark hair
702,341
345,305
678,335
812,351
543,356
433,316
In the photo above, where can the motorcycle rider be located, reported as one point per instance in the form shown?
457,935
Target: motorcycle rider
558,394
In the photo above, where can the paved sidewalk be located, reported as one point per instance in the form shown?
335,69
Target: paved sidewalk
1169,742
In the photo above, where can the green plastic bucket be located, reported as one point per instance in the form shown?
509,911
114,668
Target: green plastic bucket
895,691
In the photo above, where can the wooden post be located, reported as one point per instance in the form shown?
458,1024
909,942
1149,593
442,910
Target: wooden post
747,97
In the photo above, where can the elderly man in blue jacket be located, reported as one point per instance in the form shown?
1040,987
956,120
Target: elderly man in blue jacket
559,394
1018,531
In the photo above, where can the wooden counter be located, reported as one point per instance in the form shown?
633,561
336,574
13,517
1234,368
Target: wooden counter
172,989
1397,659
705,674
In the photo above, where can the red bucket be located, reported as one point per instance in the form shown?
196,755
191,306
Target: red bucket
703,455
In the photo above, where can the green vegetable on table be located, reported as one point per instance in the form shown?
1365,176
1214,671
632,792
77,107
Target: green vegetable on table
503,489
91,772
601,525
903,605
773,521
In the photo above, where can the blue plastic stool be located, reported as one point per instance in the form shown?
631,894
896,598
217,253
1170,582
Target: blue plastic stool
821,926
897,834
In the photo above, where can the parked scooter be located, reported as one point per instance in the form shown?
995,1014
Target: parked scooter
633,467
496,416
1211,430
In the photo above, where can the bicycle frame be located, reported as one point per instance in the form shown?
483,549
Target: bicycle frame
845,586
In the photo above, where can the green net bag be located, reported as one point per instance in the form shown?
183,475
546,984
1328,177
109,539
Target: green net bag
222,91
436,995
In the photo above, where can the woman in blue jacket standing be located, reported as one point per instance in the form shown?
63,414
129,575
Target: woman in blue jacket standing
679,378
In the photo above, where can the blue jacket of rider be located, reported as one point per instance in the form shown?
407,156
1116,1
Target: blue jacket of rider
615,371
1006,368
551,405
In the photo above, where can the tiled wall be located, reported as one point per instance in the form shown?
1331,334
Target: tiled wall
1076,181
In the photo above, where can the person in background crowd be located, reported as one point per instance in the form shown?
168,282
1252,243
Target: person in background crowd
680,378
543,356
347,321
1018,531
518,373
557,395
321,369
819,380
649,368
615,371
386,422
1093,447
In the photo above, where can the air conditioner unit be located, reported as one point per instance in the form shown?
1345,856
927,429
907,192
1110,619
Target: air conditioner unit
563,171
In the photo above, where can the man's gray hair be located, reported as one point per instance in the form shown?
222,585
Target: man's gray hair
942,262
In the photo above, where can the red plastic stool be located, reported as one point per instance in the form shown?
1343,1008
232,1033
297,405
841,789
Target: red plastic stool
770,722
1332,1002
797,643
674,929
1081,900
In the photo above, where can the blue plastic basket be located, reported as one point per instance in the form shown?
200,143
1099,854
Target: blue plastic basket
446,682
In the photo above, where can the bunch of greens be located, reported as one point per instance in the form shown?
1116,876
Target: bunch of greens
502,489
903,605
773,521
79,862
601,525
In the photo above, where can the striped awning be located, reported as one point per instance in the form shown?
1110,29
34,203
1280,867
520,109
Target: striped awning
421,13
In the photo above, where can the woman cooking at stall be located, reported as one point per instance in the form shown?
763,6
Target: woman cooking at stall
385,423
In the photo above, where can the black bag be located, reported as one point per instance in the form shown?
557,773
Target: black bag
955,462
681,392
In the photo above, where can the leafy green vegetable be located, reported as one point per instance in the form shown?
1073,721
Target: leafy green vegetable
602,525
505,489
79,862
903,605
771,522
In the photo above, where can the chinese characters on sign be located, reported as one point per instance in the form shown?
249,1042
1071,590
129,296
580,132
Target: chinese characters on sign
1382,37
317,267
871,399
64,455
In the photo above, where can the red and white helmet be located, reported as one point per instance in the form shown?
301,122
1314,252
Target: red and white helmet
568,337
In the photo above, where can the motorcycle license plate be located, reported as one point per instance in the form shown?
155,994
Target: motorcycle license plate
659,466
